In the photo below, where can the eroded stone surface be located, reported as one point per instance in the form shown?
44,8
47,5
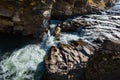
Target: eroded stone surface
66,61
77,61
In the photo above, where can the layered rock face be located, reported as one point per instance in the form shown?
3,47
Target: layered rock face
31,17
65,62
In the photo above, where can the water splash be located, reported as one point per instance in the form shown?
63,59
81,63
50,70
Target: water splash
117,5
23,63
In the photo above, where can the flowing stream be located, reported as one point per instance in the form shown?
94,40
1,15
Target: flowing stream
117,5
26,63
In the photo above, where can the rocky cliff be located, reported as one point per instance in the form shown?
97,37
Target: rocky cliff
30,17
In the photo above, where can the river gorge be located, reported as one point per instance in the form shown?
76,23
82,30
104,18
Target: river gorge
64,49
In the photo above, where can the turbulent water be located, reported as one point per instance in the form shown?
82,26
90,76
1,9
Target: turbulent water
26,63
117,5
105,27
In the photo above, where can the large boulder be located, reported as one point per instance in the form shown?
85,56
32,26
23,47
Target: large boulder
66,61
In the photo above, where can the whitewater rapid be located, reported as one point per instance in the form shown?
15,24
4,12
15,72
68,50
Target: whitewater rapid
27,63
117,5
21,63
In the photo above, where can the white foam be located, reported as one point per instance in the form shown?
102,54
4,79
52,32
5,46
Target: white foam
21,61
117,6
106,27
66,37
28,58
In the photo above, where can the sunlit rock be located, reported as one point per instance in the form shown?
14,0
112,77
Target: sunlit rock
57,31
66,61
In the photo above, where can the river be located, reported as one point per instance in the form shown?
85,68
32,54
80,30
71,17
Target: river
21,60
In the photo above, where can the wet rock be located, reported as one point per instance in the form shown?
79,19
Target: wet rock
63,10
6,13
5,22
104,65
98,40
16,17
66,61
69,26
110,3
57,31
